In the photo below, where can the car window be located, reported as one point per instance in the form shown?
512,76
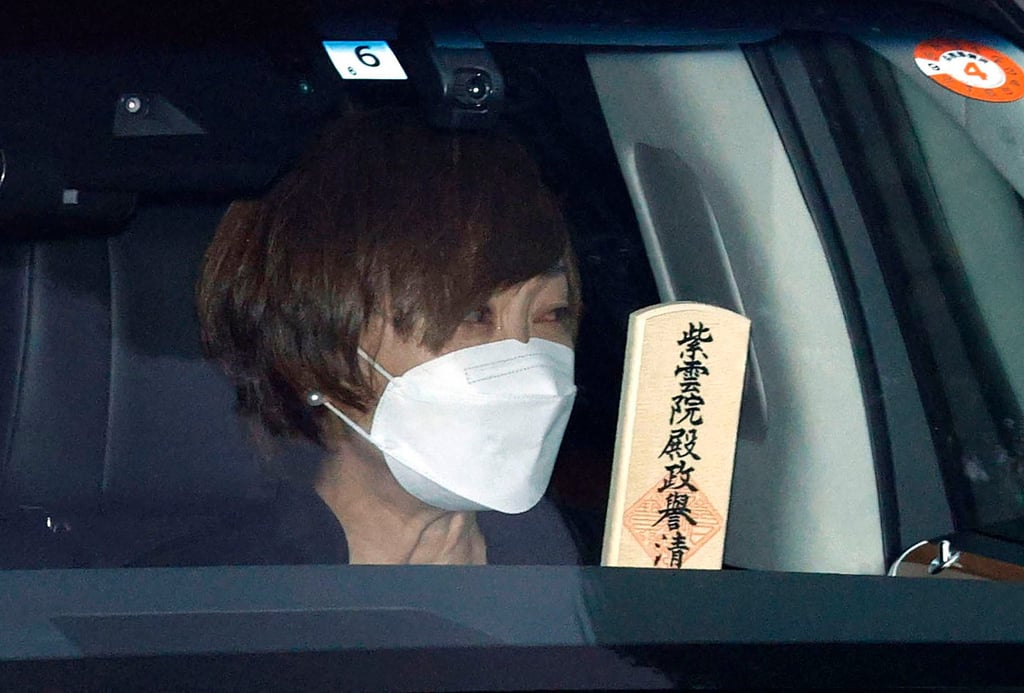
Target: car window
946,222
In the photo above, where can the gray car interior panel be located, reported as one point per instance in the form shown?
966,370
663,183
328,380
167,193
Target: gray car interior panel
700,270
923,509
805,496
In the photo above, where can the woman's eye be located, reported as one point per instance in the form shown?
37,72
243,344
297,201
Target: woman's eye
560,314
481,315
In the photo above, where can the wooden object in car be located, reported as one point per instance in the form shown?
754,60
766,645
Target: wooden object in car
921,561
678,414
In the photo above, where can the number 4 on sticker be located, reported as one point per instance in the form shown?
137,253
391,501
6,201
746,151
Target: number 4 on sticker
364,60
971,69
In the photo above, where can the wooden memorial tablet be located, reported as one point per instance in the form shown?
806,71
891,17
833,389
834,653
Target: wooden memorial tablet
678,414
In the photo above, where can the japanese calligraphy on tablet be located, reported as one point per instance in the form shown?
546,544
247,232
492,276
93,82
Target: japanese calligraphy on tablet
364,60
678,417
971,69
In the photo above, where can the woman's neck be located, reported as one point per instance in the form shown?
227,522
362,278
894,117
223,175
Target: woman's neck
383,523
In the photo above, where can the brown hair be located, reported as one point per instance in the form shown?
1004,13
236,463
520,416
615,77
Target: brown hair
382,217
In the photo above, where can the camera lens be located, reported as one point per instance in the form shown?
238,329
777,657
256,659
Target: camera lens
472,87
477,87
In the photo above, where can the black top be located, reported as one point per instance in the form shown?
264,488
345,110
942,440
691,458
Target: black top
299,528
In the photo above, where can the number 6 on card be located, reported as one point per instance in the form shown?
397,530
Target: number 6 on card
364,60
678,416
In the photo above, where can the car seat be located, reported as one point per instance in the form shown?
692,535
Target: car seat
115,434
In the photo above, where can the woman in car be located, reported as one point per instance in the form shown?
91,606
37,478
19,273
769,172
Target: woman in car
406,299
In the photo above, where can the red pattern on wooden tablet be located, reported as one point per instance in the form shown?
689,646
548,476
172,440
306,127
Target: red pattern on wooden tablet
641,519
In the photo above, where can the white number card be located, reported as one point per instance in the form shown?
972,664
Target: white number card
364,60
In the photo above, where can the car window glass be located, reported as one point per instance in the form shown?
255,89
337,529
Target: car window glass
949,233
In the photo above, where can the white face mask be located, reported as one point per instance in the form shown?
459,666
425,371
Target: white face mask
475,429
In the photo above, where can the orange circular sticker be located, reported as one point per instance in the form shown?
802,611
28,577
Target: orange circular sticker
971,69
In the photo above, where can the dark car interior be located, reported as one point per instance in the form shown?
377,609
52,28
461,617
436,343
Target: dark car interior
116,436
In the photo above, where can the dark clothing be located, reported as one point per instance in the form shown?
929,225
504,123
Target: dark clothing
299,528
